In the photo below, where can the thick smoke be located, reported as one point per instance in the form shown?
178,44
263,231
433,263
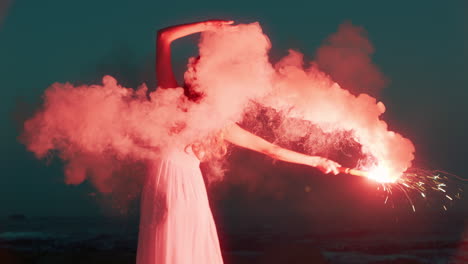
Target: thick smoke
310,94
233,68
96,128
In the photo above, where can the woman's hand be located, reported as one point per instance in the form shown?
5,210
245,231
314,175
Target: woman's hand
215,24
169,34
325,165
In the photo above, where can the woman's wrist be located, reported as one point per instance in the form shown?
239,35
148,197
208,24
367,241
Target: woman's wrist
175,32
314,161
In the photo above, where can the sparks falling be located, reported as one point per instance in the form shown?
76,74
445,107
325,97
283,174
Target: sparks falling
438,185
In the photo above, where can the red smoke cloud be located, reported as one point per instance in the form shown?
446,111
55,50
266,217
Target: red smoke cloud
346,57
310,94
95,128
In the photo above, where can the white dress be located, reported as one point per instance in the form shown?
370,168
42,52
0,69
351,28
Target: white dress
176,223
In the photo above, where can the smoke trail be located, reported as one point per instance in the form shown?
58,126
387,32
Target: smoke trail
4,5
96,128
346,57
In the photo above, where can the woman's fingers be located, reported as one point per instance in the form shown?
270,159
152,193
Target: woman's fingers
335,170
329,166
221,21
325,165
335,167
217,23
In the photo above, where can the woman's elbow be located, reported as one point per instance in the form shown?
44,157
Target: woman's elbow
163,35
160,32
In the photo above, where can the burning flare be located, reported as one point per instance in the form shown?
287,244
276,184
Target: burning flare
378,174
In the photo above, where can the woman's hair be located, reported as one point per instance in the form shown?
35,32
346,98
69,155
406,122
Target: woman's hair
211,147
211,150
190,81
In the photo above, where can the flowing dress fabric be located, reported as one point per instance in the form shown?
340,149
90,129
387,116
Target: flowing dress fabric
176,223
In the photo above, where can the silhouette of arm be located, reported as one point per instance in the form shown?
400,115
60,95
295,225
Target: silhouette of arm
242,138
165,36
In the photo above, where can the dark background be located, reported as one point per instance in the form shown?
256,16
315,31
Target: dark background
421,47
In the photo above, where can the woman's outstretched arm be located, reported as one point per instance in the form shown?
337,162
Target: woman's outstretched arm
241,137
164,72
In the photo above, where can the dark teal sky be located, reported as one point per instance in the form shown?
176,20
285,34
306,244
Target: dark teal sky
421,46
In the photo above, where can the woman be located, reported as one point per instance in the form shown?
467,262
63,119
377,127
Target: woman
176,224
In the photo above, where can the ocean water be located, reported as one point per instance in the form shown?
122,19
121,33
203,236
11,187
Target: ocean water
99,234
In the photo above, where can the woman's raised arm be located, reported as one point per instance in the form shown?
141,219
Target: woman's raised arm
241,137
164,73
